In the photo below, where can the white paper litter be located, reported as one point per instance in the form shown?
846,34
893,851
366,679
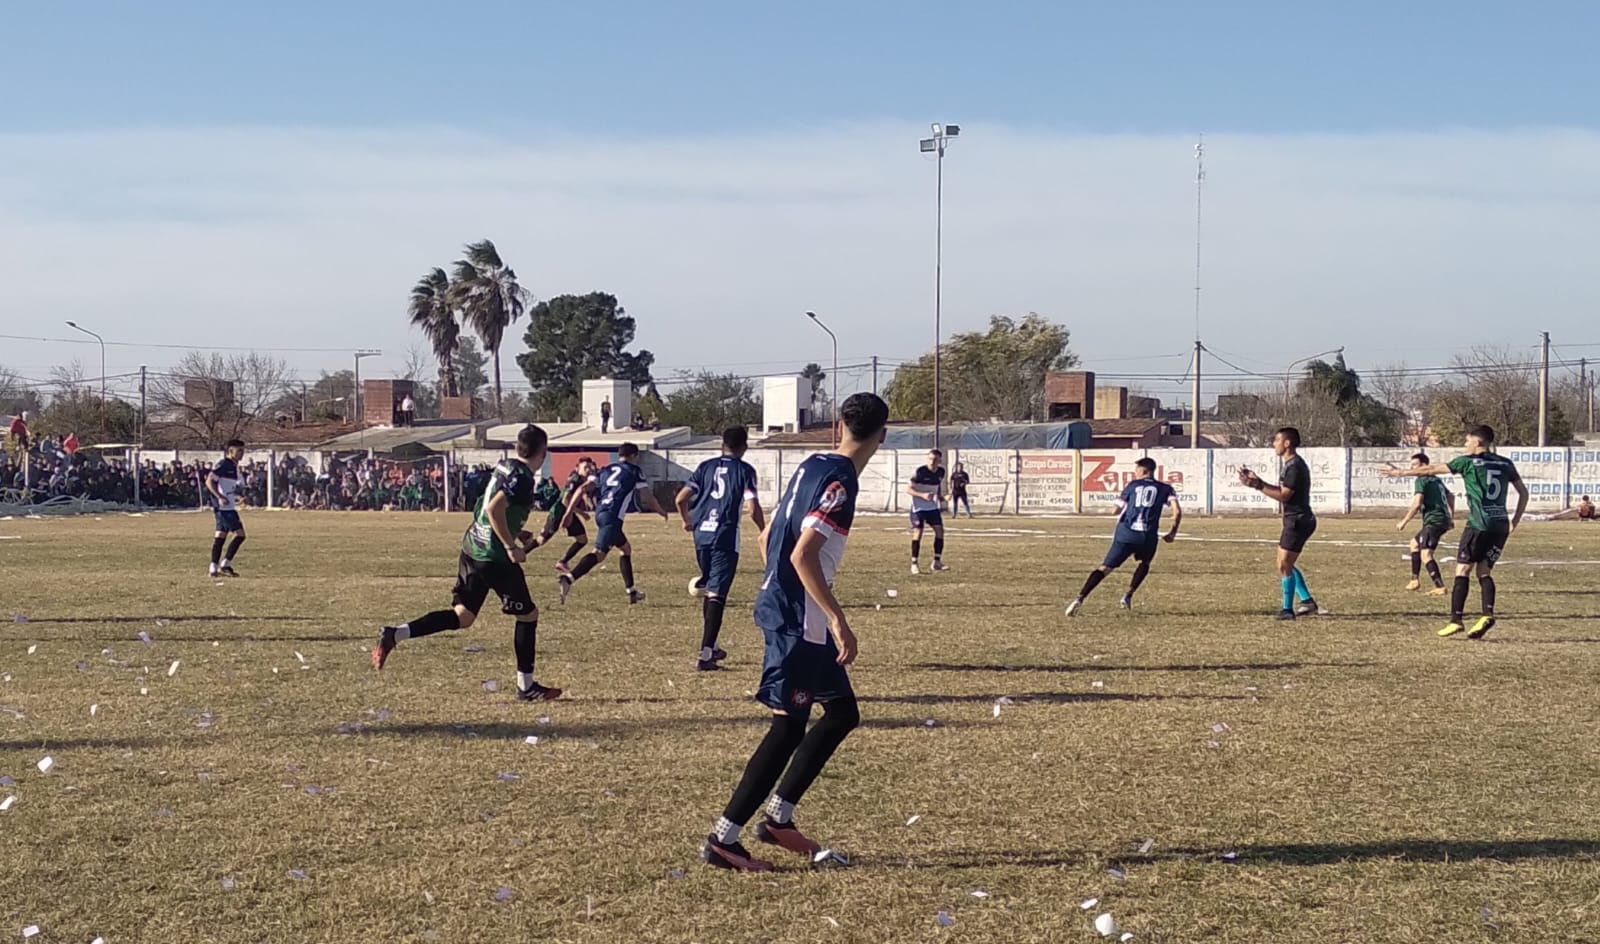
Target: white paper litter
1105,924
830,920
1146,846
94,710
1220,728
531,739
227,884
491,686
944,919
1117,874
98,940
828,858
542,719
298,874
144,691
1097,685
913,819
1126,937
1088,903
173,668
46,765
1230,856
997,710
930,723
892,594
31,930
7,803
980,893
32,650
677,873
300,657
504,894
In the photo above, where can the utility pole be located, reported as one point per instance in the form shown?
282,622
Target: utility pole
1544,388
1585,385
942,133
138,452
1199,183
874,375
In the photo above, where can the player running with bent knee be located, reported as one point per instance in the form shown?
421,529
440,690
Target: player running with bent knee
1437,506
710,504
1138,526
616,485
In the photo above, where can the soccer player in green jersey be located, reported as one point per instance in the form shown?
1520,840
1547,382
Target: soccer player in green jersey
568,494
492,552
1486,477
1437,506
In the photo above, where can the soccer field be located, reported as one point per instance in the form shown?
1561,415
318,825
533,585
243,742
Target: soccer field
1205,772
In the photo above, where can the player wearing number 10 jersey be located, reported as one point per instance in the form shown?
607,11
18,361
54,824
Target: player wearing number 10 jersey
710,504
1486,477
1137,535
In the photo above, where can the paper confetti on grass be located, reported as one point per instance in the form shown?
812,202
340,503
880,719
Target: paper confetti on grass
173,668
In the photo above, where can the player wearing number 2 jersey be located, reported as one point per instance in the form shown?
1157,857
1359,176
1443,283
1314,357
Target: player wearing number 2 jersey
1138,527
615,486
710,504
1487,477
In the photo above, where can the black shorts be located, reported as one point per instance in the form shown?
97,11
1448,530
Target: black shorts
1142,551
575,530
476,579
1297,530
1482,547
1429,537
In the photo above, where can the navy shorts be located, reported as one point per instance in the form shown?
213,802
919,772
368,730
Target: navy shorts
717,569
933,519
228,520
1141,551
608,534
796,673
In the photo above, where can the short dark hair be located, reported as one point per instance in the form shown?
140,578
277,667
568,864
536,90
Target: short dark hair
234,444
627,451
864,415
1148,464
1484,434
1421,457
736,438
1292,435
936,452
530,439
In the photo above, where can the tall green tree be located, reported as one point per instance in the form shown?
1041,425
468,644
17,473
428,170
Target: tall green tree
998,373
486,293
432,313
710,403
573,338
814,375
1500,388
1356,418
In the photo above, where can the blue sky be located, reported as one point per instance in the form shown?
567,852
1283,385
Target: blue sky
1405,179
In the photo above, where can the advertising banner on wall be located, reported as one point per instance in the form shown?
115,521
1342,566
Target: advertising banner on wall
1584,476
1187,471
1544,471
1046,482
1228,496
1370,491
1105,473
993,479
1327,467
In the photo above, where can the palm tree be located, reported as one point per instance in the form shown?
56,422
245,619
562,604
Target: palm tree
486,292
430,310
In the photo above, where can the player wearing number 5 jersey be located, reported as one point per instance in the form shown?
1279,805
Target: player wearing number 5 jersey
1138,532
1487,478
710,504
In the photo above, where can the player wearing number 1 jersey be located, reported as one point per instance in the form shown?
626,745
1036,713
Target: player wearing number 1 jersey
710,504
1486,476
1138,532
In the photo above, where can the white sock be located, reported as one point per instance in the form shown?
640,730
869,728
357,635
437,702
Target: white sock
726,831
403,631
706,654
524,680
781,810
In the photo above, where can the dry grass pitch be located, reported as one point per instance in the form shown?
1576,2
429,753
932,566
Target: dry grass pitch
1351,778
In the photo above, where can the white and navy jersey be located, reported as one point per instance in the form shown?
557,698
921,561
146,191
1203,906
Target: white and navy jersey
821,496
227,475
721,486
618,482
927,480
1141,504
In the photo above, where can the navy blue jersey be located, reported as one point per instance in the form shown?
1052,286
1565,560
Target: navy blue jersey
227,473
822,495
618,482
721,486
1142,503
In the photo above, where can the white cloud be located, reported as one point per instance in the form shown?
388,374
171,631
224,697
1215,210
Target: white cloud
1398,246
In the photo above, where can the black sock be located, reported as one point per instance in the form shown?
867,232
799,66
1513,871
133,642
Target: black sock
1486,590
573,551
1416,564
938,548
1139,573
436,622
626,564
216,548
590,560
839,718
765,767
526,641
1433,571
1458,598
1095,576
916,549
712,611
233,549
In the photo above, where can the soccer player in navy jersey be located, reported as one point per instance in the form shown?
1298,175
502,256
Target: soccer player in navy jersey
808,640
710,504
926,491
1138,527
616,486
222,482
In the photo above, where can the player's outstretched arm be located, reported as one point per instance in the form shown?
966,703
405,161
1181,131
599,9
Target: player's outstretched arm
1177,519
807,561
1415,473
